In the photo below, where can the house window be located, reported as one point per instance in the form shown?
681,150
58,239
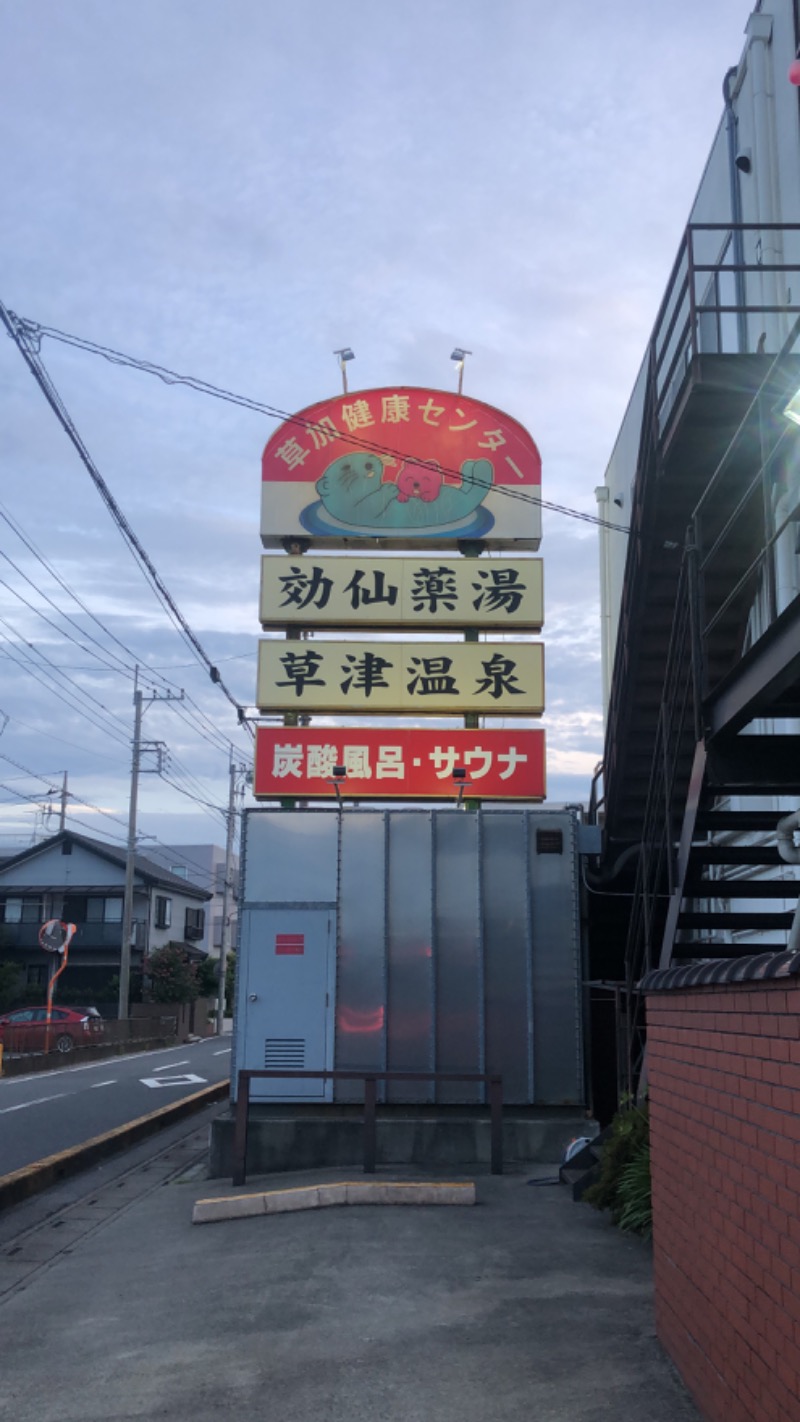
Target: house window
104,911
163,911
36,976
195,925
75,908
22,911
181,871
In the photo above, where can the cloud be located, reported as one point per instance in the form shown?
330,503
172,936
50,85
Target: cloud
202,186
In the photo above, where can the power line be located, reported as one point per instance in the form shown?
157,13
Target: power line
55,789
77,690
28,344
31,332
48,735
221,742
64,696
37,800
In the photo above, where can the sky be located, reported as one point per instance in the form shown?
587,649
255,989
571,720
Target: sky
233,191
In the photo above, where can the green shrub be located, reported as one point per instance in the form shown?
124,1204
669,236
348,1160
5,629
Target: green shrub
172,975
230,981
207,972
10,980
623,1186
635,1194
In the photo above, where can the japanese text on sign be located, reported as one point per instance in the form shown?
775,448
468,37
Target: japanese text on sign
495,678
405,763
401,592
407,466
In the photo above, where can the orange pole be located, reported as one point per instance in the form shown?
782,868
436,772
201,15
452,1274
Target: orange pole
70,928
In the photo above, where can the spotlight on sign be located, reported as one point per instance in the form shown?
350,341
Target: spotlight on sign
339,776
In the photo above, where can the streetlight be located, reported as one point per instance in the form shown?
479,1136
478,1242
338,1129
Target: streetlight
339,774
344,354
460,779
459,356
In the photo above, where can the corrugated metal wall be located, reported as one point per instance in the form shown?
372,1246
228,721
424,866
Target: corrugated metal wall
457,941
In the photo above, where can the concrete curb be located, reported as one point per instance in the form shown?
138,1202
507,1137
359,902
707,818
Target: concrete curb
339,1192
31,1179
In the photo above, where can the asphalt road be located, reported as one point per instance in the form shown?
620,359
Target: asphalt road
53,1110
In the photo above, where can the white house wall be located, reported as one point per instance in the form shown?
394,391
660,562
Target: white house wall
53,870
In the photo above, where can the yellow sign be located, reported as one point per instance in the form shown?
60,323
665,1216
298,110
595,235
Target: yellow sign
434,678
491,594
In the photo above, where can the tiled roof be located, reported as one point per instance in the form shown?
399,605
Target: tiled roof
755,968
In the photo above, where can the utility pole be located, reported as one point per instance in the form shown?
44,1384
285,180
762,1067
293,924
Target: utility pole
62,819
127,903
130,857
226,896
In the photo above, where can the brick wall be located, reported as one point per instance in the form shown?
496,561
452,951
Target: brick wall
724,1075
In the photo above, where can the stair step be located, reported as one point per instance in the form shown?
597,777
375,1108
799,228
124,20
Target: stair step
734,921
702,888
741,820
736,854
682,951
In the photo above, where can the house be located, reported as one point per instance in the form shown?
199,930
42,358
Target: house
81,880
700,574
204,866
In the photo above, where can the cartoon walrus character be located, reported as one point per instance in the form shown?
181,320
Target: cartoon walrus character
352,492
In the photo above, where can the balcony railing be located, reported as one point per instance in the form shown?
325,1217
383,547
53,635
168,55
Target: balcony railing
729,293
88,935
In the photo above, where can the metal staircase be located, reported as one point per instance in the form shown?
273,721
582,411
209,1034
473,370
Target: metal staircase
702,759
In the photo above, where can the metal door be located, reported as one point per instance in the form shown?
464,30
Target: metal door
289,999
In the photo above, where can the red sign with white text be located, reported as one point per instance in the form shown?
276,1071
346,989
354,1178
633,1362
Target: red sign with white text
399,764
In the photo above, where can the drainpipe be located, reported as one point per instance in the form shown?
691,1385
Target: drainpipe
736,205
759,32
601,494
790,854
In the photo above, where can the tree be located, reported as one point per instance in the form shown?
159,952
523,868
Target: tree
9,984
207,977
230,980
172,975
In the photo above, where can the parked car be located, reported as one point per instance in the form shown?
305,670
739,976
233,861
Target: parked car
26,1029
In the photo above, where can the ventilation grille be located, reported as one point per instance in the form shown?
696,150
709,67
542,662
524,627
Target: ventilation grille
549,842
287,1053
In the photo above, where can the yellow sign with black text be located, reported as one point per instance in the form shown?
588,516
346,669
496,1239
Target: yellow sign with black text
417,678
491,594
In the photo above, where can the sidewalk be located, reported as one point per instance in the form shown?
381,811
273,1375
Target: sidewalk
525,1308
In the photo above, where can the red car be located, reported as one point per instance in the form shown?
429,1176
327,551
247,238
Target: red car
26,1030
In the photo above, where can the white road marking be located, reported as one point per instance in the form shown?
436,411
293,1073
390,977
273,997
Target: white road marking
38,1102
226,1051
188,1079
95,1084
169,1066
8,1081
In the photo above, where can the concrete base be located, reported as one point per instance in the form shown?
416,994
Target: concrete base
337,1192
280,1142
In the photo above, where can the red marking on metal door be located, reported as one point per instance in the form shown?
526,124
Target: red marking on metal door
290,943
